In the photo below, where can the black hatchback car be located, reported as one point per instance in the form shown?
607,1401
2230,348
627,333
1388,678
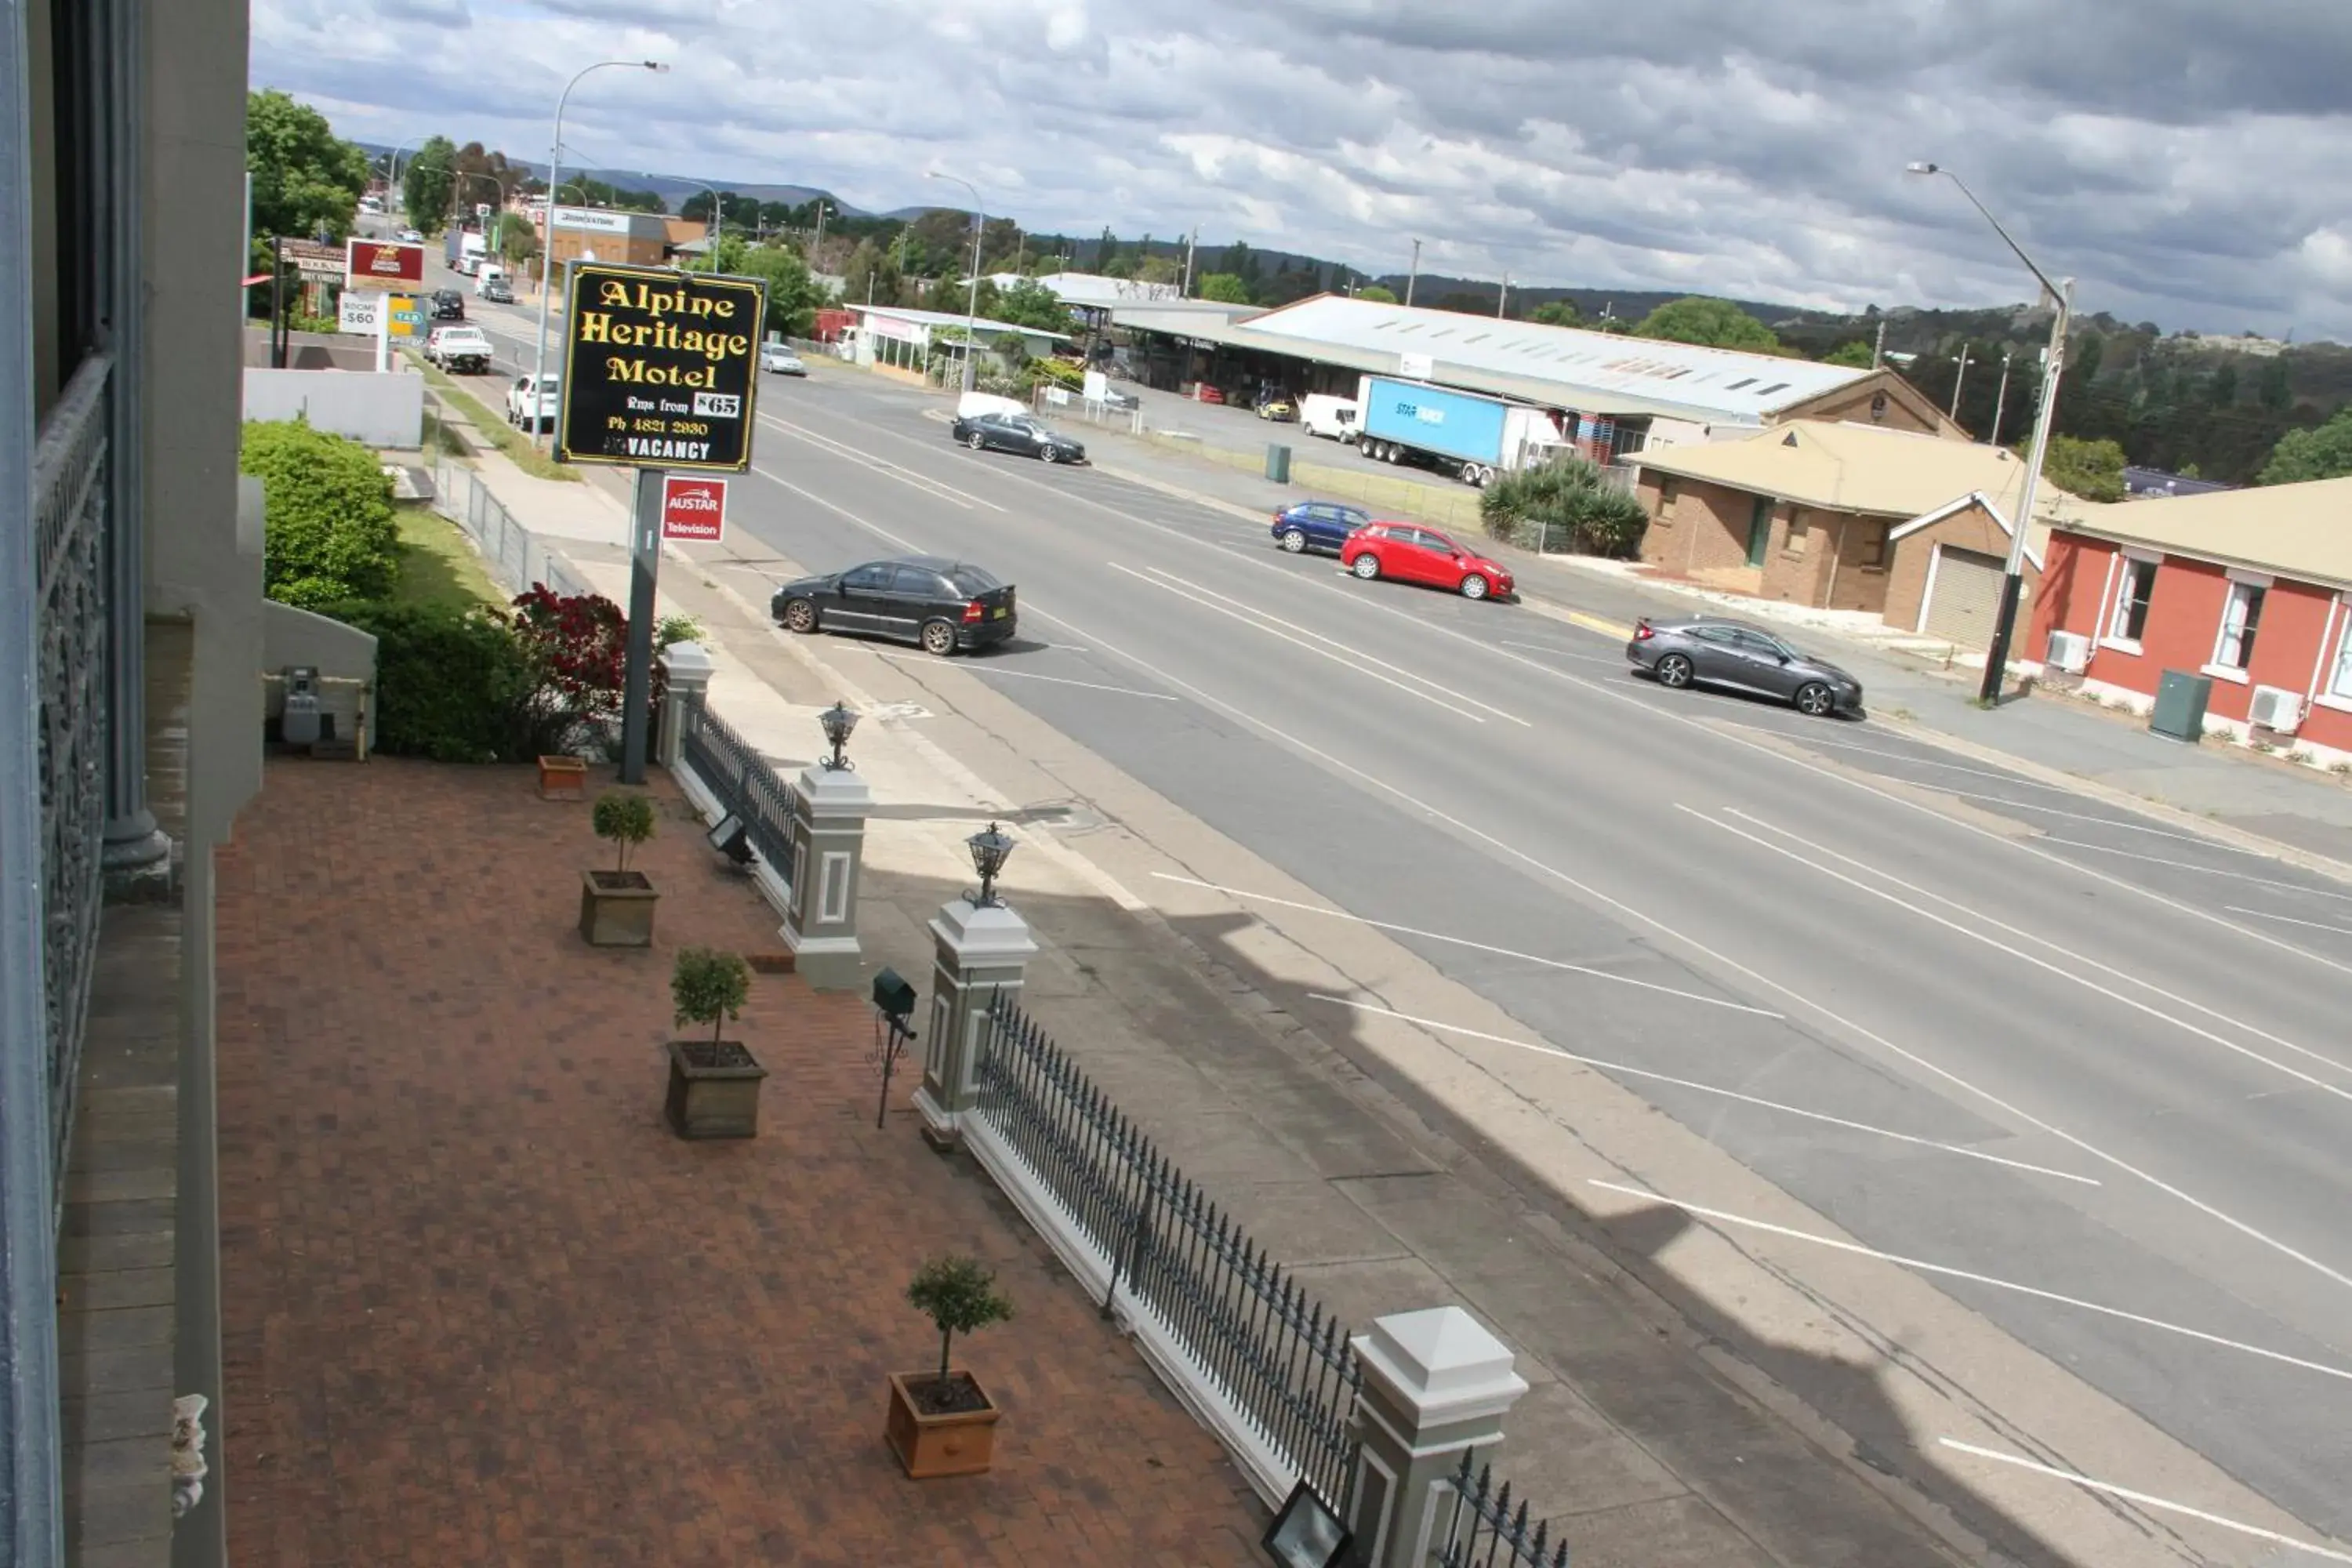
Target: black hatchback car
1017,433
448,305
1709,651
942,605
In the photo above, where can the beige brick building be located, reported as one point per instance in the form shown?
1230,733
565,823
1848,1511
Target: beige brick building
1901,524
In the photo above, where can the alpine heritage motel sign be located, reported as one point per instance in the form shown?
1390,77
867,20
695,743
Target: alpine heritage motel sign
660,368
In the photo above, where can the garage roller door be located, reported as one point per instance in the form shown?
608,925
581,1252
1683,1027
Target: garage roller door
1964,597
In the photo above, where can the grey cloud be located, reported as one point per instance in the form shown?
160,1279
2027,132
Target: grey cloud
2173,157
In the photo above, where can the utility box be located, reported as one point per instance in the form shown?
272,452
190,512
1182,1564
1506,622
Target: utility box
1278,464
2180,699
300,725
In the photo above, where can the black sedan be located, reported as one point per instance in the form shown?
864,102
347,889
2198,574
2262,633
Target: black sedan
942,605
1706,650
1017,433
448,305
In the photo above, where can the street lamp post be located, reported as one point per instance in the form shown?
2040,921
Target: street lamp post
491,235
2012,583
971,302
717,214
817,252
547,247
392,176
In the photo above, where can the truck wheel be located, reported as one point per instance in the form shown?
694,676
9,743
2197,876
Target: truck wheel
1390,452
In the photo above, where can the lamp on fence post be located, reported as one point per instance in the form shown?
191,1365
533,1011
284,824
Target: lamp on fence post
829,806
981,952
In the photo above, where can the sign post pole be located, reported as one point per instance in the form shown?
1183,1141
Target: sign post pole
644,572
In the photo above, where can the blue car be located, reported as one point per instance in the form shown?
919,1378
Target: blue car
1316,525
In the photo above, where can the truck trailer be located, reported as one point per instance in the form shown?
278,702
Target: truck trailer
1471,436
463,249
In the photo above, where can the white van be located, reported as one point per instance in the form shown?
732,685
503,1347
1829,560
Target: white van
974,404
1320,414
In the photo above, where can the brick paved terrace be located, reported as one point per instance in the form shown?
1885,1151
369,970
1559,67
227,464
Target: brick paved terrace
481,1307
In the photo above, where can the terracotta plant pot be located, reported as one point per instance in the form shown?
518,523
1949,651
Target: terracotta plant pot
955,1443
563,778
714,1089
616,909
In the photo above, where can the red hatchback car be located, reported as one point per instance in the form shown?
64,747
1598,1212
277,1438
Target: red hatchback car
1412,554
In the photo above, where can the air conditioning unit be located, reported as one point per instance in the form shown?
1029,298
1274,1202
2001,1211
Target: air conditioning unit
2275,709
2070,652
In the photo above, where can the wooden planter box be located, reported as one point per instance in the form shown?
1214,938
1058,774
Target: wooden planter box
713,1098
616,909
563,778
962,1443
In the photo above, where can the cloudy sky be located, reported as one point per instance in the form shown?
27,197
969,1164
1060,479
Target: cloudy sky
2185,160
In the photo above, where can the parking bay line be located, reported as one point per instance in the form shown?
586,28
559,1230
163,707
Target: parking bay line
1031,675
1551,1050
1949,1271
1241,896
2192,865
2075,1478
1983,920
2289,920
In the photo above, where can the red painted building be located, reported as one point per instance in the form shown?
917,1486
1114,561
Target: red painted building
2251,587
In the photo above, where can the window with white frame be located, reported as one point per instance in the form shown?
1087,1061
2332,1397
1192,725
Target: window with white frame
2131,600
2241,617
2340,678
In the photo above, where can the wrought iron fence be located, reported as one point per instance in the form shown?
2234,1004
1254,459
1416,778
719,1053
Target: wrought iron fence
70,468
1277,1354
734,771
515,557
1484,1531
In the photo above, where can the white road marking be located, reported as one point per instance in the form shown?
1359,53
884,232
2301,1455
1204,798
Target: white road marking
1435,701
1561,652
2209,871
1244,896
2288,920
2024,957
1805,739
1838,1244
1551,1050
2078,816
1354,653
1984,919
2073,1477
873,528
1858,1031
938,488
1027,674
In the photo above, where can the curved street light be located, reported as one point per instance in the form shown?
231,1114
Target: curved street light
2013,582
547,247
718,211
971,301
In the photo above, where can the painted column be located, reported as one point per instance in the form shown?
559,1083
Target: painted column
686,679
829,809
1436,1385
980,953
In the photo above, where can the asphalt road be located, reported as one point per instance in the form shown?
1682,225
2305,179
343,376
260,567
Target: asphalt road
2095,1068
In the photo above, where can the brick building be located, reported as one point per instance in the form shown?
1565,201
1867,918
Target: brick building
2252,588
1839,515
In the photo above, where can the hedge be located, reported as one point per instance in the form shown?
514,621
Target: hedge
328,519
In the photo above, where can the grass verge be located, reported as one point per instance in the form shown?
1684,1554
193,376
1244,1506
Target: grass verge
493,427
437,566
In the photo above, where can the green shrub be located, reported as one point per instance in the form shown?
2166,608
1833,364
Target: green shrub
958,1296
450,685
1566,504
330,532
625,820
708,986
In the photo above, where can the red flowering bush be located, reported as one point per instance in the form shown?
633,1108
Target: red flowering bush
579,646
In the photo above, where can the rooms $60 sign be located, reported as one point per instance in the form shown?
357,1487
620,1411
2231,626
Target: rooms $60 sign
660,368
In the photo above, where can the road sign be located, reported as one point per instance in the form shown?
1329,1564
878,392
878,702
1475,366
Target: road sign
660,368
383,264
694,509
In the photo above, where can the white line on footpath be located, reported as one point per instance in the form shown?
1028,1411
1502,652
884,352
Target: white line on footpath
2073,1477
1838,1244
1355,654
970,668
1809,1004
2209,871
1551,1050
2288,920
1207,604
1464,941
1983,920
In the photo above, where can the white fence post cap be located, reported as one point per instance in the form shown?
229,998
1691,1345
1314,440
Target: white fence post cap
1441,1364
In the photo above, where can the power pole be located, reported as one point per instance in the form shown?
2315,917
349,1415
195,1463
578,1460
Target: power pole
1412,277
2000,401
1879,348
1192,245
1502,296
1957,380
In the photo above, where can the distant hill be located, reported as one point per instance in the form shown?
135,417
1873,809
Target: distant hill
673,189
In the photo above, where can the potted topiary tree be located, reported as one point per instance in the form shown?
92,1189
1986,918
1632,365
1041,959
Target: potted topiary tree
945,1424
714,1084
617,907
